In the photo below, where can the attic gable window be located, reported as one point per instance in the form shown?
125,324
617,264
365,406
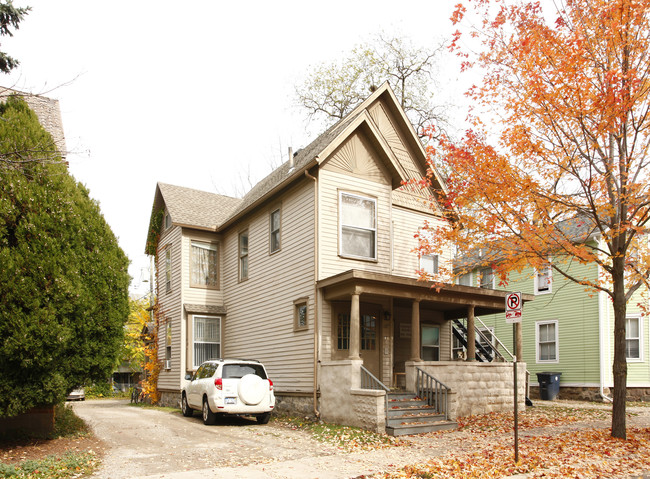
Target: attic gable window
203,266
357,226
168,220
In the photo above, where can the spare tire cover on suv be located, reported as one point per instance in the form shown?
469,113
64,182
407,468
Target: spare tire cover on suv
252,389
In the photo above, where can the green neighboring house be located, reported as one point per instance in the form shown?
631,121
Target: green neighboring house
569,330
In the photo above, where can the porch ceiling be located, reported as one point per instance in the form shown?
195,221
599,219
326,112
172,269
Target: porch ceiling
451,299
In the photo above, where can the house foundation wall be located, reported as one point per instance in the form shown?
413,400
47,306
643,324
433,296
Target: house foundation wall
294,405
170,399
343,401
479,388
586,393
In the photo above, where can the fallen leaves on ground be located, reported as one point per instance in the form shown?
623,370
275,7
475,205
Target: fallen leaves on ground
585,454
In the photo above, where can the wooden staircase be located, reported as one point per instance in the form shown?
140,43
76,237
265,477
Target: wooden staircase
408,414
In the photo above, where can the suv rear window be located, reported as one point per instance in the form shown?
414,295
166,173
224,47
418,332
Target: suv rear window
236,371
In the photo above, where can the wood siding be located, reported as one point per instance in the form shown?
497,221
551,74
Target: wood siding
259,324
171,307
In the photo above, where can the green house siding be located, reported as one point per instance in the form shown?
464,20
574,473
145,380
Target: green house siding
577,314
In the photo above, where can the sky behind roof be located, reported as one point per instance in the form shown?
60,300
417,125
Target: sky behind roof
198,94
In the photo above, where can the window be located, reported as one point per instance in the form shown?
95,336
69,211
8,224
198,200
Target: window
168,346
206,339
168,221
368,332
243,255
274,228
543,280
203,265
465,279
168,268
633,339
358,226
343,331
547,343
430,343
429,264
486,278
300,314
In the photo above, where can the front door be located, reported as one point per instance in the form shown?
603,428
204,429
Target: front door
370,334
370,324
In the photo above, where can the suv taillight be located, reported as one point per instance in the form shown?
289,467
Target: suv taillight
270,385
218,383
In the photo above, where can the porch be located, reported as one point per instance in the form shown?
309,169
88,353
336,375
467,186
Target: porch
382,333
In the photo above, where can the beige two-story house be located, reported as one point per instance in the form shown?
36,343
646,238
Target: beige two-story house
313,273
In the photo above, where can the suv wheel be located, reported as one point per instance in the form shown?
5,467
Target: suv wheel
263,418
187,410
209,417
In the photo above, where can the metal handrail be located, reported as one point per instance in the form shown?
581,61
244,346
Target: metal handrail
433,391
368,381
498,341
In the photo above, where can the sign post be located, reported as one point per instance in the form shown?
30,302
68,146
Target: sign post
513,316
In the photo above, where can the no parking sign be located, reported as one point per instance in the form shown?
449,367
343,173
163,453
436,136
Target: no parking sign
513,308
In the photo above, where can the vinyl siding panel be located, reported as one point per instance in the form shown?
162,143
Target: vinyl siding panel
331,263
260,319
172,310
406,224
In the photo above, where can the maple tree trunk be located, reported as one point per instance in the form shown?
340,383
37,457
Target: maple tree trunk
620,362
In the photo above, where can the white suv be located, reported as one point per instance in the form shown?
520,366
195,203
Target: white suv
229,387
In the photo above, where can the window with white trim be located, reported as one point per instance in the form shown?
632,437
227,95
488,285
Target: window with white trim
206,339
168,346
546,338
429,264
274,230
543,280
486,339
464,279
633,339
203,265
168,221
357,226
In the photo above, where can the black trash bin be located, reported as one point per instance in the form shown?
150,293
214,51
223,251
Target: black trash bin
549,385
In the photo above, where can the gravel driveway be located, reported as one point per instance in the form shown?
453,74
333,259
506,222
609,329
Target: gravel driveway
149,443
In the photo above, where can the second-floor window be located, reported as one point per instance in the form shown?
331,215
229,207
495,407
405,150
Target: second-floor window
486,277
543,280
203,265
358,226
429,264
243,255
274,228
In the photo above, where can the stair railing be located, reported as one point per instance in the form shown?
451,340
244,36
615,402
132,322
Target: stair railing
369,381
432,391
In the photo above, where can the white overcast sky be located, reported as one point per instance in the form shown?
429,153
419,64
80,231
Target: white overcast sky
191,93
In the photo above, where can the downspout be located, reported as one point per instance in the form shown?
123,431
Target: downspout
603,323
316,324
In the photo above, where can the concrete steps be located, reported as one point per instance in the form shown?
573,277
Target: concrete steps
408,414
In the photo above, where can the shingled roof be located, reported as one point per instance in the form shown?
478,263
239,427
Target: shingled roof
200,209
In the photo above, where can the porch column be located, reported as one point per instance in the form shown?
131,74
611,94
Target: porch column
471,334
415,331
355,328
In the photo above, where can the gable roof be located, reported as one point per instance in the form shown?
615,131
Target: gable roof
210,211
195,208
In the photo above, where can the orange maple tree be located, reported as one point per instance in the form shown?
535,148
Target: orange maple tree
560,132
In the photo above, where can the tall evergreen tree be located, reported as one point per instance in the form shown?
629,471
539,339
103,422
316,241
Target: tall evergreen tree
63,277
